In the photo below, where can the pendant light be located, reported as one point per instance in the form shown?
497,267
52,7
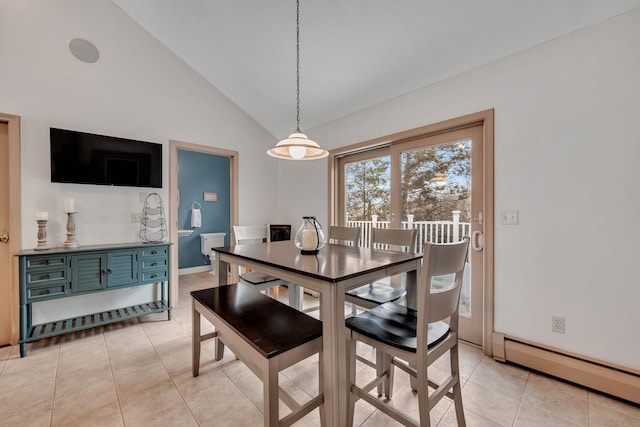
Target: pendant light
298,146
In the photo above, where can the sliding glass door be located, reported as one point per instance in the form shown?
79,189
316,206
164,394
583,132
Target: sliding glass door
432,184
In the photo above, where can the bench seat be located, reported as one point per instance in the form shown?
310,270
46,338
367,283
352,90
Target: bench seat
265,335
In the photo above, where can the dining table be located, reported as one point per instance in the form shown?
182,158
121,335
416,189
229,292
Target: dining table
332,271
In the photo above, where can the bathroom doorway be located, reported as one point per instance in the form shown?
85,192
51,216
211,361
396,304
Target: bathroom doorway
180,205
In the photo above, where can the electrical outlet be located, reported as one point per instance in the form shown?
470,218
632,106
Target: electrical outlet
136,217
557,324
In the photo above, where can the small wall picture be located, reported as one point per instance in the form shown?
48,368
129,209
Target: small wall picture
210,197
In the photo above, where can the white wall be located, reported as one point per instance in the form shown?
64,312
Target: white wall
138,90
566,156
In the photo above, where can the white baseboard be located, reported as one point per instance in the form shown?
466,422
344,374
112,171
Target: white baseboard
618,381
191,270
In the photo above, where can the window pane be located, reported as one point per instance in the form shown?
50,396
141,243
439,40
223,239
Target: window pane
436,191
367,189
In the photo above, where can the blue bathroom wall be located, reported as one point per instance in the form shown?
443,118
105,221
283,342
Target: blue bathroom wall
197,173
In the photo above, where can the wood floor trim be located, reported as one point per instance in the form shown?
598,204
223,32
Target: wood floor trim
614,380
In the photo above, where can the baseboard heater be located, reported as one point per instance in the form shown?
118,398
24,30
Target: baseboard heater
618,381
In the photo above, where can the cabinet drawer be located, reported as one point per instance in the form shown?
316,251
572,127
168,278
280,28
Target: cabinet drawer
34,294
41,278
156,251
154,276
154,263
33,263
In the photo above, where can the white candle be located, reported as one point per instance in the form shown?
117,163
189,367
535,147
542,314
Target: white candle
69,205
42,216
309,240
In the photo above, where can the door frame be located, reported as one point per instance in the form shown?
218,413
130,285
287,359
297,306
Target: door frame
15,223
486,120
174,146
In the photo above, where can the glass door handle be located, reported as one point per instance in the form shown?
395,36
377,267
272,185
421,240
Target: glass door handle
477,241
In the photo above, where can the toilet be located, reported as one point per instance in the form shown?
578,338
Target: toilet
209,241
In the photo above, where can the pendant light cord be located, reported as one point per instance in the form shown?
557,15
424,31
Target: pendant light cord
298,146
298,66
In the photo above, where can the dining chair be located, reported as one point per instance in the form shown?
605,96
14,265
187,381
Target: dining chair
412,340
344,235
252,234
372,295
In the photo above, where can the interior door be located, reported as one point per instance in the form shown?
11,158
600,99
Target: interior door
5,253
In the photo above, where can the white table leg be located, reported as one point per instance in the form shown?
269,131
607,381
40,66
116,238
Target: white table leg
295,296
334,354
221,270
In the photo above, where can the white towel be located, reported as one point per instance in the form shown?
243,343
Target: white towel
196,218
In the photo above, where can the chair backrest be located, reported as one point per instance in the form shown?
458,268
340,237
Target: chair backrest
444,259
345,235
395,238
244,234
279,232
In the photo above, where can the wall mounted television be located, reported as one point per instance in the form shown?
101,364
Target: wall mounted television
85,158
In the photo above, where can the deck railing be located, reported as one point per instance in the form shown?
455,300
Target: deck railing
428,231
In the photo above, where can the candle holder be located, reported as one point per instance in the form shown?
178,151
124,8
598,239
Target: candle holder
71,241
310,237
42,235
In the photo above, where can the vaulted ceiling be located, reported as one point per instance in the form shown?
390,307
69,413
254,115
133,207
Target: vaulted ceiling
354,53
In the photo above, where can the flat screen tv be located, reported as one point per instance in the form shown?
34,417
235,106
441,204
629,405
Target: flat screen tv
85,158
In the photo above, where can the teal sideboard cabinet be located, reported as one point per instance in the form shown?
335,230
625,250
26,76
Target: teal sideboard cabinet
65,272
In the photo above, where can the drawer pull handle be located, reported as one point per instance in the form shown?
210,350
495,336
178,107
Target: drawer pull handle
109,271
46,291
153,276
103,272
46,262
46,276
154,252
153,264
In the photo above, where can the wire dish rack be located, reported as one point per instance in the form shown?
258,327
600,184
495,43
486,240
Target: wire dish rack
153,224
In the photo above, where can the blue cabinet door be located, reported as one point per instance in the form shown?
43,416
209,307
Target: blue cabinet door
88,272
122,268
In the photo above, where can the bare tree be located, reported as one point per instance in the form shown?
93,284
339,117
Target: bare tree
367,189
435,181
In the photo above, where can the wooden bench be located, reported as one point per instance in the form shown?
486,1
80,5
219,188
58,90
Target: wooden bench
265,335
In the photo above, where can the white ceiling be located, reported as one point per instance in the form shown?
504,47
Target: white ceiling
354,53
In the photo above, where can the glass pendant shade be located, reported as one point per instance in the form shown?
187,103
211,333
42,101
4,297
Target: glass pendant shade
310,238
297,147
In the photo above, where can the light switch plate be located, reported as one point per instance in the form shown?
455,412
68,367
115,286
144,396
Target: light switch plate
509,217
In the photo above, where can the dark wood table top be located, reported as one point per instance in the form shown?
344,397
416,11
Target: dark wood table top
268,326
332,264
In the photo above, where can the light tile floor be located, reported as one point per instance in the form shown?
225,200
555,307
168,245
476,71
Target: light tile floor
138,373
